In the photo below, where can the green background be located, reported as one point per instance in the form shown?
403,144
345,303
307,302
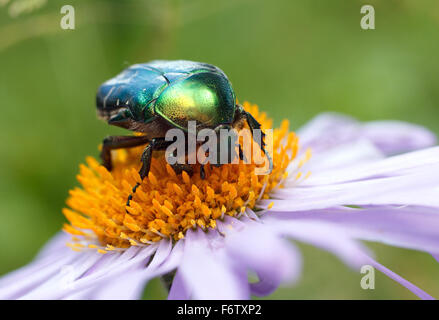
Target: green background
293,58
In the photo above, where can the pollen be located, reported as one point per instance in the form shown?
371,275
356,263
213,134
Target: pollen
167,204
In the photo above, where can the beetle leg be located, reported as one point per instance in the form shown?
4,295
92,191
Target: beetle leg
232,142
255,125
118,142
155,144
146,160
202,172
180,167
241,153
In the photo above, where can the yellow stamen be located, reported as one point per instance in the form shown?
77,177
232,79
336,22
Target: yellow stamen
167,204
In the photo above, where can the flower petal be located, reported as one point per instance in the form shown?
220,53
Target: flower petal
396,136
418,187
340,156
129,285
393,166
336,240
258,249
392,275
46,258
208,274
81,279
179,291
19,282
56,244
409,227
323,235
328,130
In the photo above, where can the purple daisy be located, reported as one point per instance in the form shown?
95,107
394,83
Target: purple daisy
377,181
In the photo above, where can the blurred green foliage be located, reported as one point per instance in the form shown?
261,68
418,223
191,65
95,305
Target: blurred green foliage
293,58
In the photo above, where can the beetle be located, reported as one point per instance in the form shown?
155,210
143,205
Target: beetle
154,97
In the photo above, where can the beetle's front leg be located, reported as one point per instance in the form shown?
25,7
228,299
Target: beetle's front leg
118,142
155,144
254,125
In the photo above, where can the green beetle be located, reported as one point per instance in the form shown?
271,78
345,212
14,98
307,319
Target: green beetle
160,95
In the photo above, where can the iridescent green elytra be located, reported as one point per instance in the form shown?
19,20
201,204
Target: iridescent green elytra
160,95
177,91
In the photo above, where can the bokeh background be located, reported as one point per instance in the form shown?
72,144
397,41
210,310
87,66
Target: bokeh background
293,58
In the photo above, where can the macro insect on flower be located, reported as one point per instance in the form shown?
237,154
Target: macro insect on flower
333,184
154,97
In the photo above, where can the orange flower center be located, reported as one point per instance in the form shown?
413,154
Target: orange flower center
166,204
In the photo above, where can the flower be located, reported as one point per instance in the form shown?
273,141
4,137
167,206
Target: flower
210,232
166,205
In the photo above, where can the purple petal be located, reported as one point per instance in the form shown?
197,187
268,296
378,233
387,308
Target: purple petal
328,130
340,156
273,259
111,268
393,166
34,275
419,188
336,240
166,259
207,273
392,275
132,259
172,262
162,253
162,263
130,285
179,291
56,244
54,251
409,227
396,137
331,129
322,235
